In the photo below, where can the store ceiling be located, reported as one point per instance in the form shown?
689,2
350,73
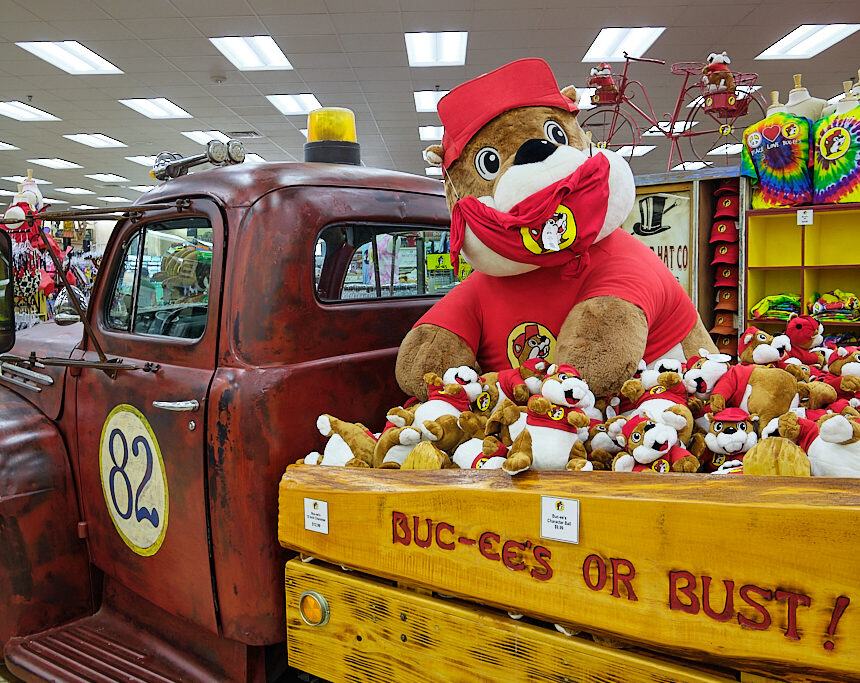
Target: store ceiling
348,53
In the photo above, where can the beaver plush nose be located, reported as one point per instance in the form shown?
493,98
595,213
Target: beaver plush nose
532,151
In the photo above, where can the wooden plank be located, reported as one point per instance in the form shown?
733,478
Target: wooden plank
382,633
758,573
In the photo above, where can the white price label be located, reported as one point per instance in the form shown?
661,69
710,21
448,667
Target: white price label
804,216
559,519
316,515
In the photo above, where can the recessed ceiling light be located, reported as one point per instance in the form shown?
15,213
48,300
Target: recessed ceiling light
433,170
49,200
71,57
431,132
611,43
74,190
107,177
5,145
24,112
252,53
156,108
692,165
727,149
142,188
295,104
447,48
95,140
426,100
21,179
204,136
808,40
635,150
678,127
250,156
142,160
85,206
55,163
115,200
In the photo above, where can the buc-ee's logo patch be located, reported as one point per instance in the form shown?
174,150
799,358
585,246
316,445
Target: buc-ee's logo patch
558,233
530,340
834,143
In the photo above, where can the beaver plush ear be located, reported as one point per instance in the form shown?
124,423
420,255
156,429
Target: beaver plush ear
570,93
434,155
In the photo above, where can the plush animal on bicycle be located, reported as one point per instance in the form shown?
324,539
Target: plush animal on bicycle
601,80
514,159
717,75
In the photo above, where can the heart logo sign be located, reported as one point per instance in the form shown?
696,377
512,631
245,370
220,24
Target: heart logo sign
771,132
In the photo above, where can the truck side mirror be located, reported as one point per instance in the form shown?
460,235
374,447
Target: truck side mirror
7,294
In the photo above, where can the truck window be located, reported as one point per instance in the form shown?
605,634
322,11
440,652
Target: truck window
162,287
354,262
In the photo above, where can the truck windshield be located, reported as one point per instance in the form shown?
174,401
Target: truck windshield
354,262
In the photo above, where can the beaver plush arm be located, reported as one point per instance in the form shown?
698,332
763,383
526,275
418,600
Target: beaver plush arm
429,348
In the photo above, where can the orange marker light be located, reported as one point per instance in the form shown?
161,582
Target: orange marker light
313,609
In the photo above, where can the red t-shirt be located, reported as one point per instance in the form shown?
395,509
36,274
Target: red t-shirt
506,320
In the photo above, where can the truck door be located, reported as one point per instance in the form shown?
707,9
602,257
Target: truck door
142,434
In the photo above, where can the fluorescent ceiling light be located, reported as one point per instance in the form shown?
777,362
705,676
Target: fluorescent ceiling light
727,149
156,108
433,170
295,104
95,140
55,163
679,127
24,112
107,177
304,131
74,190
49,200
252,53
635,150
5,145
447,48
611,43
204,136
85,206
431,132
692,165
7,193
808,40
250,156
426,100
142,188
71,57
142,160
22,179
115,200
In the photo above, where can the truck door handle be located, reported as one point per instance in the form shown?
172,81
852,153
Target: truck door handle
177,406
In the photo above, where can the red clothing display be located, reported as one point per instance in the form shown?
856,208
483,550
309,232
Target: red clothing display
484,311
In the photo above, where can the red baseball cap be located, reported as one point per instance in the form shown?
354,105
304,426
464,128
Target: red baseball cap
726,253
724,231
468,107
728,344
724,323
732,415
727,276
727,300
727,206
727,186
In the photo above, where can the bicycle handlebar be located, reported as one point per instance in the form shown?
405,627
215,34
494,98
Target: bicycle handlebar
642,59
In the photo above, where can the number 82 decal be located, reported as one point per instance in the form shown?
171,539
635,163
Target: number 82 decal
133,479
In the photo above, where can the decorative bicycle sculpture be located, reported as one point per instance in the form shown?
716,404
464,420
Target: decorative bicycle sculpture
709,132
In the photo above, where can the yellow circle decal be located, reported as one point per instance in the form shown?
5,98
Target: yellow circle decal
133,479
530,340
661,465
556,413
483,401
834,143
790,130
558,233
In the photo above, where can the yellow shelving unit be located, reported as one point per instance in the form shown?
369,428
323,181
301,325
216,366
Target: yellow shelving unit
783,255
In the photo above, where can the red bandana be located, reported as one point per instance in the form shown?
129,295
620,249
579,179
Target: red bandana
460,401
569,212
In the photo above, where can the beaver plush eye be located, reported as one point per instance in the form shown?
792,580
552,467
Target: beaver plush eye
554,132
636,437
487,162
742,426
562,376
761,337
718,426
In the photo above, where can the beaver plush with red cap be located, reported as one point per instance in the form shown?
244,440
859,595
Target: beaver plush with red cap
535,210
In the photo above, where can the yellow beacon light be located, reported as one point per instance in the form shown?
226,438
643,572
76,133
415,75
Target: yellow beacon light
331,137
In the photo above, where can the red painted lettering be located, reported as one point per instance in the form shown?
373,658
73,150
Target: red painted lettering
400,529
794,599
442,544
485,542
511,551
625,578
729,606
765,622
674,589
422,543
543,556
601,572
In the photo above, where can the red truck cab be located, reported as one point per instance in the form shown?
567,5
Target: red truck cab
138,499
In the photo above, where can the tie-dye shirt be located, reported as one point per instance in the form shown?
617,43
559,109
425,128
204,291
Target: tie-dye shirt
837,158
777,159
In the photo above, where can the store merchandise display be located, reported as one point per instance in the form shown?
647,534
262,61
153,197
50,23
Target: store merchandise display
725,259
837,152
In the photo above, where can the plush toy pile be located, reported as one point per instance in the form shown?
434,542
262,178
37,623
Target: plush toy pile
789,406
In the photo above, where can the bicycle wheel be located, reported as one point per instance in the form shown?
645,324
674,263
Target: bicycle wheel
714,130
611,129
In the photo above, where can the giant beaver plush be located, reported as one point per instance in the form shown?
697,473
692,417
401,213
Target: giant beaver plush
535,211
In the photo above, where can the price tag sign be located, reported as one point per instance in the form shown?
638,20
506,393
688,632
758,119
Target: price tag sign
316,515
804,216
559,519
